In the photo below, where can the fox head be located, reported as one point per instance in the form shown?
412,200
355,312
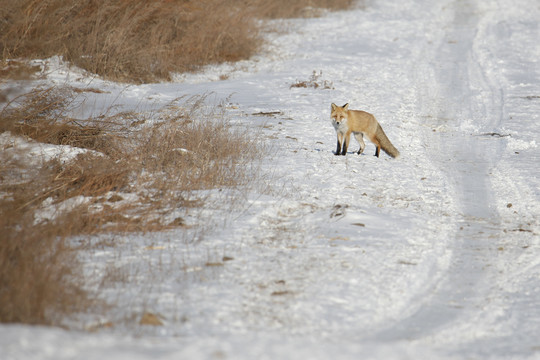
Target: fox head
339,113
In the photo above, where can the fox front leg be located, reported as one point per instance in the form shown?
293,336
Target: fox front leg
338,150
346,138
341,145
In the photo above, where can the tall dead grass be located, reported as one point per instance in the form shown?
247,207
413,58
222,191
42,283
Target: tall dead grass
140,40
162,166
39,272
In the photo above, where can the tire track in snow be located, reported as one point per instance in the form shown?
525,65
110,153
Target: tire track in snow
460,91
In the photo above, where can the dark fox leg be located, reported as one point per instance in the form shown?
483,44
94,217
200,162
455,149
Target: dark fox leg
377,151
338,150
345,145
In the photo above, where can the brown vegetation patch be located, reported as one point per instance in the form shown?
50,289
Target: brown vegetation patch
42,115
129,179
139,40
136,41
39,272
16,70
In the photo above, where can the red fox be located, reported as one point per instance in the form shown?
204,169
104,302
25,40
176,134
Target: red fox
358,122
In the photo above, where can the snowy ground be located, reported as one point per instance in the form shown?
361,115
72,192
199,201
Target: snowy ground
433,256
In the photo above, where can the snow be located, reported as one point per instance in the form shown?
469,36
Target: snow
33,153
344,257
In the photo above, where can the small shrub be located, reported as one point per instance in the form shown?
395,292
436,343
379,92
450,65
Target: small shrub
314,81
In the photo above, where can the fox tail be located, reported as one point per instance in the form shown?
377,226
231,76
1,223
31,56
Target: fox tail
385,143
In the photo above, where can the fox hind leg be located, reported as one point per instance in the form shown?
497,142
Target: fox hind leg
377,145
360,138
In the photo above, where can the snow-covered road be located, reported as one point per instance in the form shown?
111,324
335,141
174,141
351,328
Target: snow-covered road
464,94
434,255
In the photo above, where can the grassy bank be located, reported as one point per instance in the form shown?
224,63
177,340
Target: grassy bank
142,41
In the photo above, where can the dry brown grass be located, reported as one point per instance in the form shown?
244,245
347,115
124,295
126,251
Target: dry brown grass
42,115
39,272
191,147
140,40
186,148
135,41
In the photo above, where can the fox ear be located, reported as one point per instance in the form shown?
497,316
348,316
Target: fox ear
334,106
346,106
